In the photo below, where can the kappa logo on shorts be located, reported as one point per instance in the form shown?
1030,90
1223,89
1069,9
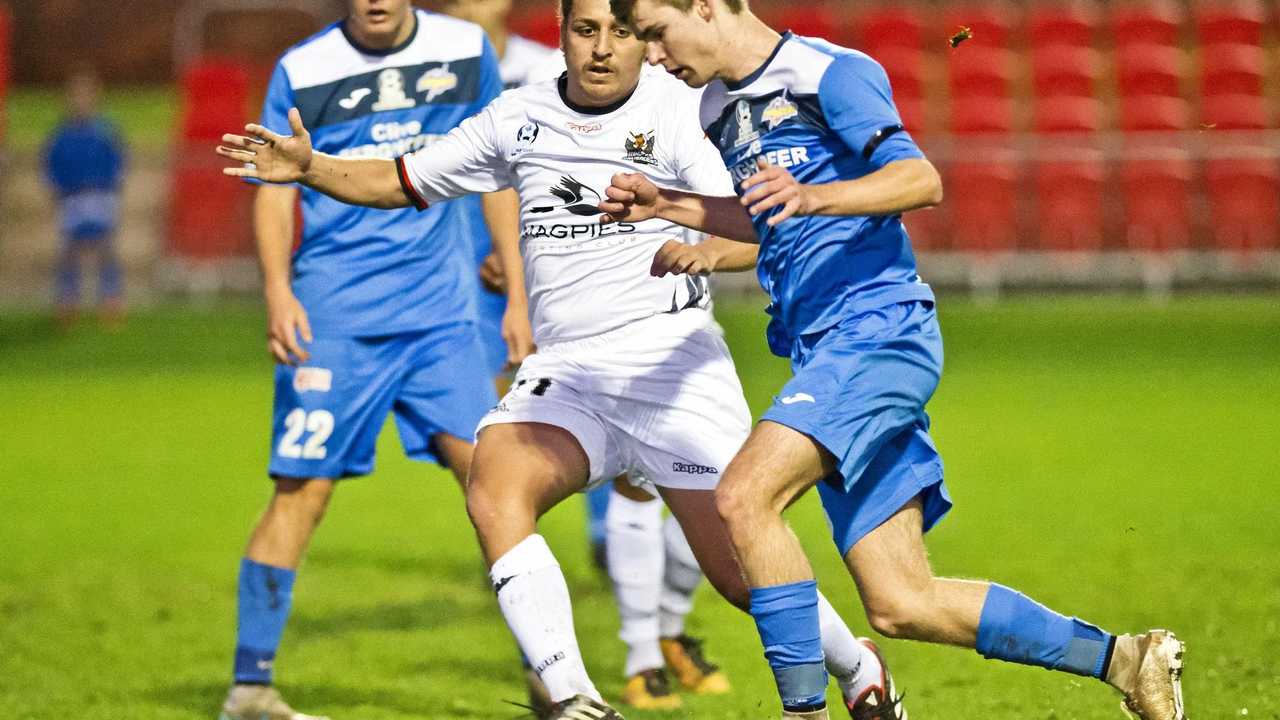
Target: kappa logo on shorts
694,469
797,398
315,379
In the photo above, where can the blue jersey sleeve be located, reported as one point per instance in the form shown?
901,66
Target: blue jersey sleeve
858,105
275,107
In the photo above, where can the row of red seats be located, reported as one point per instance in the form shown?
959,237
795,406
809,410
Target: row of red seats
1080,203
1084,23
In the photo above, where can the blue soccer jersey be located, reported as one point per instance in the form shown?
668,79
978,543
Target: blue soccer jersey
826,114
368,272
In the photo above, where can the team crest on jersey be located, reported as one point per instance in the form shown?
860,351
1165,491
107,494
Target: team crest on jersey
525,137
391,95
779,110
639,147
747,131
437,81
576,197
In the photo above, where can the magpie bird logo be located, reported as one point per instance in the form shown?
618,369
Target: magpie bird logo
576,198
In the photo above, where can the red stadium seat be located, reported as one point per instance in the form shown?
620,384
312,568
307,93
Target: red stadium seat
1232,69
1157,207
1152,22
982,205
1075,23
1069,70
1230,21
811,19
1154,114
991,24
890,26
980,72
1234,112
905,67
1150,70
536,20
912,112
1068,115
1244,203
981,116
1070,199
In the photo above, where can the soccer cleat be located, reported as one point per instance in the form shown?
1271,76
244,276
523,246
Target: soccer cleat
684,658
1147,668
650,690
581,707
877,702
259,702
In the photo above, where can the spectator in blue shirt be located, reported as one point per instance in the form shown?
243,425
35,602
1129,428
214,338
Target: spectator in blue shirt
84,164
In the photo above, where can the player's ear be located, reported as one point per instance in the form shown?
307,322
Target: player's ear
703,9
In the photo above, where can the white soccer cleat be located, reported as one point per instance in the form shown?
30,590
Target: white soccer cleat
259,702
581,707
1149,673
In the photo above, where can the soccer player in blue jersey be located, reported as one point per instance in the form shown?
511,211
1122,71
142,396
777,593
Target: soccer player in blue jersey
375,312
825,171
84,163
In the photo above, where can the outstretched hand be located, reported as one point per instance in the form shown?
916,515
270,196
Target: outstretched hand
632,197
772,186
268,156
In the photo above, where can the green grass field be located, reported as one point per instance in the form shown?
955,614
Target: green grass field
1111,459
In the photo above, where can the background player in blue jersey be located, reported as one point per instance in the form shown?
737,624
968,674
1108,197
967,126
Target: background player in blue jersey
825,169
84,164
375,312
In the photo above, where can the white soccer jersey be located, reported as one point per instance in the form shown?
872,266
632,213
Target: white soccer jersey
525,62
583,278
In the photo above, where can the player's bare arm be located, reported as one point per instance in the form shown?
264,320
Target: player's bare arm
274,158
287,320
715,254
502,215
632,197
894,189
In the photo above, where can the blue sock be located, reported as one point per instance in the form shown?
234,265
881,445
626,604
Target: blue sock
1018,629
265,596
787,618
110,276
597,506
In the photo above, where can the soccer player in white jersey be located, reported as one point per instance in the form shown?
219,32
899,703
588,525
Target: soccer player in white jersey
375,312
631,371
826,171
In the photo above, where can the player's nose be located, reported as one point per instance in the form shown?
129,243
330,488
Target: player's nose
653,53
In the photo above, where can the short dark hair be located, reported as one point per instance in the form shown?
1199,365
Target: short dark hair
622,8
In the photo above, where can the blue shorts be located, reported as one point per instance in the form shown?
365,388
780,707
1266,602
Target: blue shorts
491,308
328,413
859,389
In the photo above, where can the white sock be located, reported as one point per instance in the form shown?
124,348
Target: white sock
633,541
535,602
680,579
852,664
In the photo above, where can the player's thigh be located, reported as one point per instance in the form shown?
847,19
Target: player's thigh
328,412
445,392
529,464
775,466
709,539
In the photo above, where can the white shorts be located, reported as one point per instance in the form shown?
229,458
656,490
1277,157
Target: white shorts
658,399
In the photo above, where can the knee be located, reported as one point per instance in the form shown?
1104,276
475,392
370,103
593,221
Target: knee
903,616
301,502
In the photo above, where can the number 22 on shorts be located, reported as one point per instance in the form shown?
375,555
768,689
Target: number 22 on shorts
317,422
